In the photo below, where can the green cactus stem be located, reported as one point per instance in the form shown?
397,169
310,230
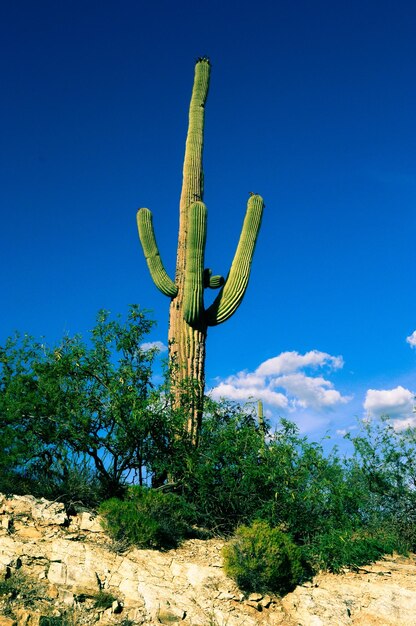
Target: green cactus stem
188,319
231,295
151,253
193,303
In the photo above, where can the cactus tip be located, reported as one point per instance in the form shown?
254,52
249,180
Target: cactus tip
203,59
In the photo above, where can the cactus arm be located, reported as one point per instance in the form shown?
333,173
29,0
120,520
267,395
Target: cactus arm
231,294
213,282
193,304
151,253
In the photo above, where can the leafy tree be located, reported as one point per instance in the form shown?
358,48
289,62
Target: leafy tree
385,457
308,490
88,401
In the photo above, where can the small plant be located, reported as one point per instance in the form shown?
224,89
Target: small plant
148,518
104,600
261,558
19,585
55,620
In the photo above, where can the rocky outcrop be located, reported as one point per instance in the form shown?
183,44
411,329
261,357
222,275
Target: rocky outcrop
381,594
62,569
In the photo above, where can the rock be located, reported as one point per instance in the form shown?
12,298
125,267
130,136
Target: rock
19,505
27,532
355,599
255,597
57,573
52,592
169,613
89,522
116,607
253,603
28,618
49,513
266,601
66,596
226,596
7,621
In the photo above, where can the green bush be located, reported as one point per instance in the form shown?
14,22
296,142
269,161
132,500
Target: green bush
78,485
261,558
224,478
23,586
148,518
237,475
104,599
336,549
60,620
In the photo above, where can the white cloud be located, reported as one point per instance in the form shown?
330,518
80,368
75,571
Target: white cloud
233,391
151,345
402,424
310,392
411,339
396,403
288,362
344,431
280,383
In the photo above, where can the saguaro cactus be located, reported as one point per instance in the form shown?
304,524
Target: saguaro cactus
189,319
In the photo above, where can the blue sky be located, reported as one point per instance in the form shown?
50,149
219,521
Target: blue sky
311,105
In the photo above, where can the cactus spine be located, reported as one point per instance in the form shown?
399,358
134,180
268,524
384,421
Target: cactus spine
189,320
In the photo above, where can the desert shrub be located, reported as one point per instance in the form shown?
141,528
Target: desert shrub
224,478
336,549
19,584
239,473
74,484
307,490
104,599
55,620
386,458
261,558
148,518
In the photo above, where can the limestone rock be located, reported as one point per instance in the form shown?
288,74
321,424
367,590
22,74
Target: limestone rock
384,594
255,597
89,522
49,513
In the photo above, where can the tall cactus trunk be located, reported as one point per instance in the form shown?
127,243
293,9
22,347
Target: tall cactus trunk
187,365
187,343
189,320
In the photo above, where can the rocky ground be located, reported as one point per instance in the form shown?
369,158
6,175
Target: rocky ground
60,570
